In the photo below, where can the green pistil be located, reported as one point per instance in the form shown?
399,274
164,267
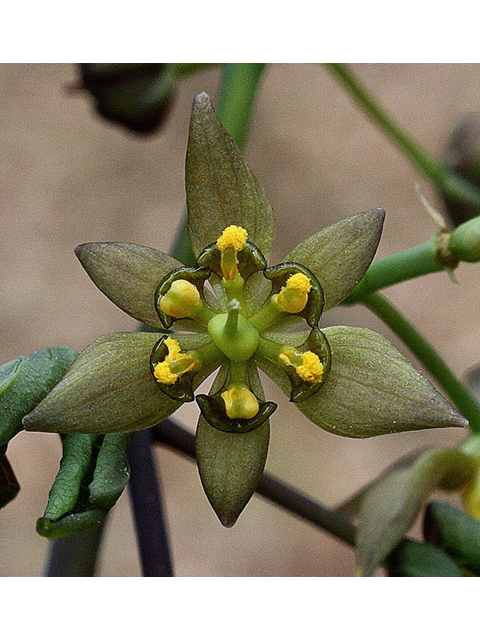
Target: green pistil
233,334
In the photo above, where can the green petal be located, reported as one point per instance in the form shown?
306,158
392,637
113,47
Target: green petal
372,390
231,464
9,486
391,507
340,254
109,388
221,189
128,274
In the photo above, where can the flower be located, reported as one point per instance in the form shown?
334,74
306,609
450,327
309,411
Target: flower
235,314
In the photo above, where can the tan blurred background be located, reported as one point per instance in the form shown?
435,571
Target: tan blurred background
66,178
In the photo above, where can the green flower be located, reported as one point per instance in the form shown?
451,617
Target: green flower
233,313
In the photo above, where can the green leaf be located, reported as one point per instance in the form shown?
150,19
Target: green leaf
93,473
372,390
412,559
231,464
128,274
112,470
340,254
110,388
221,189
455,532
391,507
9,486
24,382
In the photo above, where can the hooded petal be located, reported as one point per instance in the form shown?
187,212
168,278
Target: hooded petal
231,464
340,254
109,388
371,389
128,274
221,189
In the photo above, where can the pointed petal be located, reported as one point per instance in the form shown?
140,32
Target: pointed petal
109,389
230,464
340,254
391,507
128,274
372,390
221,189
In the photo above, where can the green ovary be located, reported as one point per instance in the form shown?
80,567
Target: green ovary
234,335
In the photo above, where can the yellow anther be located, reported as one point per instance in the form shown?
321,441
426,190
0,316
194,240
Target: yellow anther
300,282
181,300
175,364
294,295
307,364
240,402
164,374
234,237
311,369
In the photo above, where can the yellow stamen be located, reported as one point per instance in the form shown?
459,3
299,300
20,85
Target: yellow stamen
234,237
175,364
294,296
300,282
181,300
240,402
307,365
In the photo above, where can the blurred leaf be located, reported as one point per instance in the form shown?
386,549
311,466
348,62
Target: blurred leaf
391,507
93,473
412,559
455,532
351,506
24,382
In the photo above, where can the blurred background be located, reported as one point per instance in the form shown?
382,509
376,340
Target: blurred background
68,177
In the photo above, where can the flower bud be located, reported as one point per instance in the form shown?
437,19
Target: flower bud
463,157
136,96
465,241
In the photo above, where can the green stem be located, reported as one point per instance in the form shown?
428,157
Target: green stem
462,245
449,182
236,97
427,355
398,267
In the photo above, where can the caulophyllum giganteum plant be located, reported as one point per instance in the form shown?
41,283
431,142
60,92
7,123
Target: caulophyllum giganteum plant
233,313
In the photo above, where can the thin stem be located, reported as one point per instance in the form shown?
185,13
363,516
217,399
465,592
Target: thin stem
426,354
148,510
76,556
170,434
449,182
398,267
236,97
